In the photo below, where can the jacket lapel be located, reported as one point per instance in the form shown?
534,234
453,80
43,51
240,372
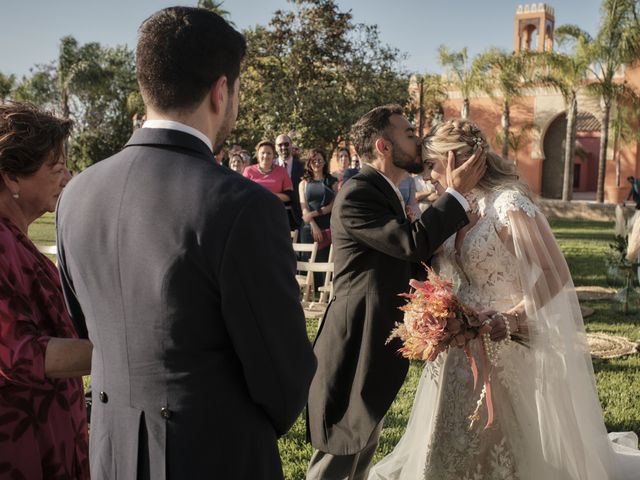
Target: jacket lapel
374,177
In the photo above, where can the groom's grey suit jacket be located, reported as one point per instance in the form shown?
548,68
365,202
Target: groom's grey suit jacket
375,249
185,274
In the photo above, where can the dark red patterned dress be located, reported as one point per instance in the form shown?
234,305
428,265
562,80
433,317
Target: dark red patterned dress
43,426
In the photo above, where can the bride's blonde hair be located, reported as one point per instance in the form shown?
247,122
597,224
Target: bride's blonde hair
463,138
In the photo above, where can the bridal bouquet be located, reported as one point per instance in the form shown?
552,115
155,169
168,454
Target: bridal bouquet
436,319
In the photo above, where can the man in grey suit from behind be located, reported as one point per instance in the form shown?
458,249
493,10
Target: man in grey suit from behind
183,275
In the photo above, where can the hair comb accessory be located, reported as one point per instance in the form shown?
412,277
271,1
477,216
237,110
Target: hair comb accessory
477,142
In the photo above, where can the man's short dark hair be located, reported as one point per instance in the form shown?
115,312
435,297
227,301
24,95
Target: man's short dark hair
370,127
181,52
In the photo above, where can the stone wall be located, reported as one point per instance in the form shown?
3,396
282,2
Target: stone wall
581,210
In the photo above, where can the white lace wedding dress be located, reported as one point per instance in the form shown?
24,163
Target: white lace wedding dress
548,422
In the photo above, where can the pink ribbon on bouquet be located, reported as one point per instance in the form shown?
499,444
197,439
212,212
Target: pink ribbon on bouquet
486,380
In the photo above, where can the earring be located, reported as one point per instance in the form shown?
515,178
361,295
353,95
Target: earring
16,196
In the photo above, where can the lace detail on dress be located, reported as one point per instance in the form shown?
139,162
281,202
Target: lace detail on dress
509,201
454,451
487,281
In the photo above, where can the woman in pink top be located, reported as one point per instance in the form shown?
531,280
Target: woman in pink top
272,177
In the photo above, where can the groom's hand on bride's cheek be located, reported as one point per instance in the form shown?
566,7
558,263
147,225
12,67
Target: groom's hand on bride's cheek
467,175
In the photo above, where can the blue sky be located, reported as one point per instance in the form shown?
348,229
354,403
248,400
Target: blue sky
31,29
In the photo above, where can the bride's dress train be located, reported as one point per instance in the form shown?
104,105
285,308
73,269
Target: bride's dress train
548,421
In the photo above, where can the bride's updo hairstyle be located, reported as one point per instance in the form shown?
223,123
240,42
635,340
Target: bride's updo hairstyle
463,138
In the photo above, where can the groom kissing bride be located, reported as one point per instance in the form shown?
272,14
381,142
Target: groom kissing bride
376,248
487,235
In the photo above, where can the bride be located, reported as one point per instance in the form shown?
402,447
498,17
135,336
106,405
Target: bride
547,419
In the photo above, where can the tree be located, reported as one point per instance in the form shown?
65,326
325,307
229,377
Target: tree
508,74
567,72
461,75
39,88
516,138
90,84
216,7
6,85
427,93
315,71
617,44
101,108
624,124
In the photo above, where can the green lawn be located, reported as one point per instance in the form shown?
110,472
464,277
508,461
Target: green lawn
585,245
43,230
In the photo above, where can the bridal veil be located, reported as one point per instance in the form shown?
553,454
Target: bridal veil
557,430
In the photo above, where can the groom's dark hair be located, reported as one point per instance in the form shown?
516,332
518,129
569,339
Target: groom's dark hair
372,126
181,52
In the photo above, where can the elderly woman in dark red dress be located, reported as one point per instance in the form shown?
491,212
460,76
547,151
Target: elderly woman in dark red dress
43,423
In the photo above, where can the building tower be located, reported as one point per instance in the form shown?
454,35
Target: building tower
534,27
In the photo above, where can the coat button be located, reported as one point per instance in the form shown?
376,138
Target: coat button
165,413
104,398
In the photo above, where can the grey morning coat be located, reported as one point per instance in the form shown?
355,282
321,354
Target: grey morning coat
183,273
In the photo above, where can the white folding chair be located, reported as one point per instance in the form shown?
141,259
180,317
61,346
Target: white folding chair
305,281
316,309
326,290
49,250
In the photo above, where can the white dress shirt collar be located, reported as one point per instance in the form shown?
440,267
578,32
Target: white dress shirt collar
287,163
395,189
181,127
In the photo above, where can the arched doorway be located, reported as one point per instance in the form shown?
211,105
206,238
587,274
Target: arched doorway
585,174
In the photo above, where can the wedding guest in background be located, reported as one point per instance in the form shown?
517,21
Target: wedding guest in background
246,158
236,163
201,355
295,169
353,169
343,164
634,192
317,191
407,189
427,189
43,430
219,154
295,151
271,176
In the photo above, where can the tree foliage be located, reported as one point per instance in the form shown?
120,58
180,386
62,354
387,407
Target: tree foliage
90,84
507,74
312,70
215,7
427,93
462,74
6,85
517,137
